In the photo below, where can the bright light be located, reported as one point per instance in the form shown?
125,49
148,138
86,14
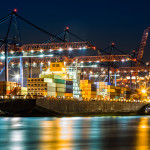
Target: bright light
84,47
60,49
3,52
143,91
2,57
32,51
80,48
122,60
11,52
41,50
50,50
41,55
70,49
17,76
34,64
81,61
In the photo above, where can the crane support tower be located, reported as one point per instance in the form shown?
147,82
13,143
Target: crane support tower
142,46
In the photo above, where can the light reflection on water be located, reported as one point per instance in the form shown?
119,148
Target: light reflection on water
73,133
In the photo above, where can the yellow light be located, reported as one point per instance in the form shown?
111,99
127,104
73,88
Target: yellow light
143,91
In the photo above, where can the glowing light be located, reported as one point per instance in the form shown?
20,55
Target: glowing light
122,60
3,52
15,10
11,52
50,50
80,48
17,76
70,49
98,61
34,64
143,91
60,49
41,55
89,61
67,28
41,50
81,61
2,57
84,47
32,51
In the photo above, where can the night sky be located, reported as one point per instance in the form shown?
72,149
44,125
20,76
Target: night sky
99,21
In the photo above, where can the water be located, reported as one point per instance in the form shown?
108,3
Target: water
75,133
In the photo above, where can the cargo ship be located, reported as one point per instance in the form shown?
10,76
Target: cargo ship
63,87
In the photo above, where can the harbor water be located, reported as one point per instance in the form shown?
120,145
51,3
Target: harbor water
75,133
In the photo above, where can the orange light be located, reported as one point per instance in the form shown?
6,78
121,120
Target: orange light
134,59
112,44
15,10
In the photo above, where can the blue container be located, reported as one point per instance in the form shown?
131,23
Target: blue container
69,90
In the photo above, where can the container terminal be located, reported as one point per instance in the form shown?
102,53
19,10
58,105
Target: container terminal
61,69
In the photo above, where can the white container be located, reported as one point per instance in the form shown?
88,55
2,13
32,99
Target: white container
51,89
51,84
50,80
51,93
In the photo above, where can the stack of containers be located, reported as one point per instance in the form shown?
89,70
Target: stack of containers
69,89
117,92
88,89
75,76
76,89
55,85
110,92
127,93
24,91
51,89
101,90
61,88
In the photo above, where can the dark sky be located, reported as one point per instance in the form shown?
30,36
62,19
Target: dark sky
99,21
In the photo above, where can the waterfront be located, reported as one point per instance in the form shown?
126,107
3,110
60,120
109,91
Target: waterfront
73,133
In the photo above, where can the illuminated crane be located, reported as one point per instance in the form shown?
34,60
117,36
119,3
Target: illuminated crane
142,46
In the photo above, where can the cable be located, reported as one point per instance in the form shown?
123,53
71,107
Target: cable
38,27
52,39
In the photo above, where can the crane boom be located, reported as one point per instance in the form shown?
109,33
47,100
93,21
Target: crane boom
142,46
